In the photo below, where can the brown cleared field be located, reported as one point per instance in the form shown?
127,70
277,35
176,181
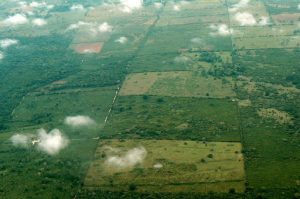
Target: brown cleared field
87,48
180,84
286,18
169,166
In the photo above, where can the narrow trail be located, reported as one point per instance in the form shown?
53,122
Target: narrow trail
241,130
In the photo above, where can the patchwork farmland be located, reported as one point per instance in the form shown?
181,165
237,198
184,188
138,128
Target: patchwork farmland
150,99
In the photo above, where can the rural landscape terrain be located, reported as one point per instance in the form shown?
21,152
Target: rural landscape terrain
149,99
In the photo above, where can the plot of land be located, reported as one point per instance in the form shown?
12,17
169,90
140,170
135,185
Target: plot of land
169,166
52,108
173,118
181,84
267,42
87,48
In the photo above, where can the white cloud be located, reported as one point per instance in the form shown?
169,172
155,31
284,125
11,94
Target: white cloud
51,142
78,25
130,5
35,4
181,59
16,19
20,140
298,6
157,166
176,8
79,120
158,5
39,22
197,40
91,28
122,40
105,27
27,7
5,43
221,29
77,7
245,19
263,21
241,4
130,159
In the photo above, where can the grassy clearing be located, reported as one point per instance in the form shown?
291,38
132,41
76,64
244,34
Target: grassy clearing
50,109
281,117
267,42
176,84
163,39
173,118
184,166
265,31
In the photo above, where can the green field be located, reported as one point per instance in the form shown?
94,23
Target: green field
176,84
183,166
173,118
204,93
50,109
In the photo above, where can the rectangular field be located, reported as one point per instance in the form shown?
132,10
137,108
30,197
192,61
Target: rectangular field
152,117
168,166
177,84
52,108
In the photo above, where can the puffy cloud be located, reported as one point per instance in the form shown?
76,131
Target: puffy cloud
176,8
221,29
122,40
105,27
263,21
245,19
35,4
91,28
158,5
130,5
20,140
157,166
181,59
298,6
28,7
197,40
79,120
5,43
241,4
130,159
39,22
78,25
16,19
52,142
77,7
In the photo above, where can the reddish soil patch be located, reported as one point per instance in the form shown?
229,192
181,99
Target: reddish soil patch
88,48
286,17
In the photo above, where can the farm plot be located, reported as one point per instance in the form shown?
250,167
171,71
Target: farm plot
154,117
267,42
164,39
180,84
167,166
51,108
265,31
